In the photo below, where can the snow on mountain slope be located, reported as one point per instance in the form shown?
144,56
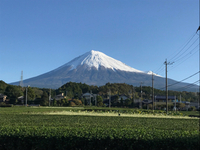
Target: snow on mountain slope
150,73
97,59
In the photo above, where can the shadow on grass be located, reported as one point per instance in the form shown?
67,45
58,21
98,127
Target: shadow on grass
78,143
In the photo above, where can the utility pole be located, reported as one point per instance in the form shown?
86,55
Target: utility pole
49,97
141,95
175,103
109,98
90,96
133,95
167,63
196,94
26,94
199,57
95,97
152,93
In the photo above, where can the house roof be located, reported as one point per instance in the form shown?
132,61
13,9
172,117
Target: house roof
164,97
87,94
2,95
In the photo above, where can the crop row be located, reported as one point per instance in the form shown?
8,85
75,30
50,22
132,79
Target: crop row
95,138
98,121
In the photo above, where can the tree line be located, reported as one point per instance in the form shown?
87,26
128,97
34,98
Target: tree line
73,91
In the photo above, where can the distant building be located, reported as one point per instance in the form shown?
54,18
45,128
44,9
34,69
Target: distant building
59,97
124,97
21,99
3,97
163,98
88,96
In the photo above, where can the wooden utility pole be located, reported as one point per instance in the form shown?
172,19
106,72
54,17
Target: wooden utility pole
90,96
141,95
166,88
133,95
109,98
199,57
167,63
152,93
26,96
49,97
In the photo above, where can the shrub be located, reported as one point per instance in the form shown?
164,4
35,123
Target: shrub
77,102
72,104
5,105
192,108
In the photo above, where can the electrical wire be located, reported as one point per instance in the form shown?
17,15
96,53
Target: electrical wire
188,53
182,61
184,45
184,79
181,80
190,85
174,58
179,54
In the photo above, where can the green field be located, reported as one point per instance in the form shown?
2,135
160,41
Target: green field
67,128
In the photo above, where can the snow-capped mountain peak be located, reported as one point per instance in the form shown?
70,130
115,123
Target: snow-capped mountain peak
97,59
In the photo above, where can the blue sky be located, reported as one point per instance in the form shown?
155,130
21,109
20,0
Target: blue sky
37,36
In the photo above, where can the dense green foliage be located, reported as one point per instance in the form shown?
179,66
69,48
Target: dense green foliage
3,86
20,128
74,90
13,92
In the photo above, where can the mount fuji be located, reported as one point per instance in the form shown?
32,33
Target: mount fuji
96,68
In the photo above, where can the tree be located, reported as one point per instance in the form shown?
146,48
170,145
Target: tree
180,105
13,92
3,86
99,101
30,94
127,102
44,100
54,102
121,101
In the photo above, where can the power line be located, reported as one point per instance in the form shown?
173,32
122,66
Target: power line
188,53
184,46
181,80
158,70
190,85
174,58
182,61
184,79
